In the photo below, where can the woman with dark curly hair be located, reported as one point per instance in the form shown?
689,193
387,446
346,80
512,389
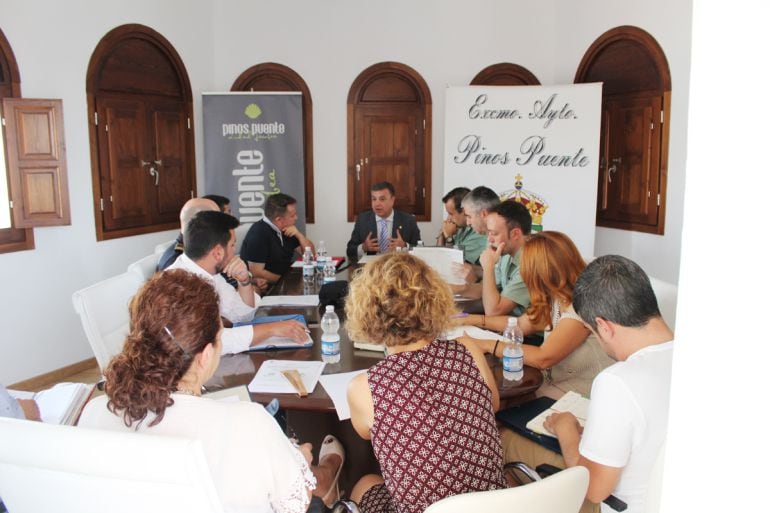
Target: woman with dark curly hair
154,386
429,406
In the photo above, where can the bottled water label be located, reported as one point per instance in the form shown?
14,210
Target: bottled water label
330,347
513,363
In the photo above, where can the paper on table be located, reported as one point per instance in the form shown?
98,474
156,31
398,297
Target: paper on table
269,379
473,331
336,385
306,300
442,260
368,258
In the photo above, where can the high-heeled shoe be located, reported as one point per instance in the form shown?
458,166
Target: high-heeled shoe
329,447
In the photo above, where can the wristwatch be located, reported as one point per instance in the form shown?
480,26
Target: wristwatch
247,282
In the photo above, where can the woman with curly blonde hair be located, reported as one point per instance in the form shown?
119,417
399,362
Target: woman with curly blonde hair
428,407
570,356
154,386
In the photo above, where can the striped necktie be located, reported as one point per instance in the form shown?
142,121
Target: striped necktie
384,236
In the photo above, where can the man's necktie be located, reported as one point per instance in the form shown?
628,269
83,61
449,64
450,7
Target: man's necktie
384,236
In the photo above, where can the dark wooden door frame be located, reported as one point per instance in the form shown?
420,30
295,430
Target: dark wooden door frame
602,62
356,96
99,57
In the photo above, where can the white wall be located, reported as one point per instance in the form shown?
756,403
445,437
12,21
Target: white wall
716,453
578,26
328,43
53,42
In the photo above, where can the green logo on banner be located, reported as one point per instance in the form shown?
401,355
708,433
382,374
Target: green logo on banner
253,111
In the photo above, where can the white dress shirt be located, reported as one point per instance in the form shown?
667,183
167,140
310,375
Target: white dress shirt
378,223
231,306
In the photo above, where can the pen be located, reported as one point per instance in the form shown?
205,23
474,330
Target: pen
461,314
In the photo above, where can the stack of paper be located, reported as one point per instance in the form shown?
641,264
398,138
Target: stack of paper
570,402
60,404
306,300
269,379
444,261
471,331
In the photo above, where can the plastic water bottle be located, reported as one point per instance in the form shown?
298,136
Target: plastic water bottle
513,355
320,256
330,340
329,271
308,266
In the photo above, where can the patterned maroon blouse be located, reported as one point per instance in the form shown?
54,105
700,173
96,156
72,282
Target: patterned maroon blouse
434,431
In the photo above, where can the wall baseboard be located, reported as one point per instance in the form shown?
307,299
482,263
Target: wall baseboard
56,376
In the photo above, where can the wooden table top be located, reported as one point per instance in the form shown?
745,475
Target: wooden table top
239,369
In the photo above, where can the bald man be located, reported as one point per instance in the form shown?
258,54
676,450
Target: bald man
189,209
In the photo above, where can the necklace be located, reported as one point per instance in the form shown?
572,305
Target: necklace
186,391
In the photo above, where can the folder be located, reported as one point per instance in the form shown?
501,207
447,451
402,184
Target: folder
517,417
274,343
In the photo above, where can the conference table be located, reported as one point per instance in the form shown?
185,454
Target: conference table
310,418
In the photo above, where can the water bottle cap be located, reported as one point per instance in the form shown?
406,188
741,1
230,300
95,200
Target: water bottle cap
307,248
513,321
329,308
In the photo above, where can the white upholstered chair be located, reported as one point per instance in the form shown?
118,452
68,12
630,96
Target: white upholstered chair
560,493
160,248
666,294
145,267
45,467
103,310
240,234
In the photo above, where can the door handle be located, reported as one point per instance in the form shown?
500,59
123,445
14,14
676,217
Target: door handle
613,168
155,174
358,172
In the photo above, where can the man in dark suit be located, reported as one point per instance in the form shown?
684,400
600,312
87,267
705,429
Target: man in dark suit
382,229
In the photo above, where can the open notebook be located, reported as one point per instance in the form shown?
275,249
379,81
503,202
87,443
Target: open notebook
60,404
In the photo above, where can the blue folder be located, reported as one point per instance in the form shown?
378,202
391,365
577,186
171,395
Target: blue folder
275,343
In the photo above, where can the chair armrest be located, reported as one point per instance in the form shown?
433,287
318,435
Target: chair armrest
546,470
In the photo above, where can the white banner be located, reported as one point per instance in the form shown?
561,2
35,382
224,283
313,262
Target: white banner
537,144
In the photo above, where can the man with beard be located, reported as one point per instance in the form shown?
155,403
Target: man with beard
502,290
210,250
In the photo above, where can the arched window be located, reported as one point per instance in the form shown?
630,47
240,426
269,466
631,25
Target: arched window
140,113
389,135
11,239
505,73
636,100
270,76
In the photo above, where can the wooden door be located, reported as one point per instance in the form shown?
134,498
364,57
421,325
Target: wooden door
388,149
124,173
170,186
629,179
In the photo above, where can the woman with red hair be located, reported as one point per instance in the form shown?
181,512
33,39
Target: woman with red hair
570,356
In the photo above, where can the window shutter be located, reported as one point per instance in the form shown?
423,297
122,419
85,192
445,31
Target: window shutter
37,166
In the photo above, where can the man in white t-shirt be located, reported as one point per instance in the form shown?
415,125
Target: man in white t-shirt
628,414
209,252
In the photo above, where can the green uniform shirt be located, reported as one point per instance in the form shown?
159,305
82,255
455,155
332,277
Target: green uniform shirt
471,243
509,282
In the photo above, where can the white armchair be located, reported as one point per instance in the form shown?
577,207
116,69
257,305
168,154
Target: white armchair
45,467
560,493
103,310
145,267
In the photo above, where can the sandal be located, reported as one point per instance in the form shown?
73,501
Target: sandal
331,446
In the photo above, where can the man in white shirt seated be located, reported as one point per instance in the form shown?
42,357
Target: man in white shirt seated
209,249
628,414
